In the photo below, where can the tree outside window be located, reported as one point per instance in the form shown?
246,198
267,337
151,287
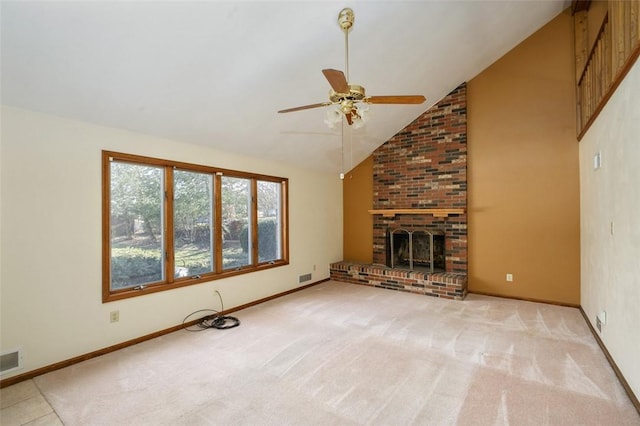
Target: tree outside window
136,225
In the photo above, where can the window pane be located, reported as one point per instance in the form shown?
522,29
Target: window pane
269,245
192,223
137,236
236,222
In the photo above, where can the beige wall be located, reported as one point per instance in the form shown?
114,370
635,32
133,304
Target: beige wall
357,222
523,197
50,211
610,198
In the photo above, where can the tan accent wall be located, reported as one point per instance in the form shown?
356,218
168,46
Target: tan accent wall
523,195
523,177
357,222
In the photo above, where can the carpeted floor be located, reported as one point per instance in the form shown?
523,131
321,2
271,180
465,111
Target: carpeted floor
342,354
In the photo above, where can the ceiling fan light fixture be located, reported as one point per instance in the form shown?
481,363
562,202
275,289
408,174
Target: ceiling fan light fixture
334,117
361,115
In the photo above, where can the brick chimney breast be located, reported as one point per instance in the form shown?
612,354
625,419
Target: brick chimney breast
425,166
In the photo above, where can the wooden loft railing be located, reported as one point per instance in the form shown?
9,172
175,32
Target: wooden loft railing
601,68
595,78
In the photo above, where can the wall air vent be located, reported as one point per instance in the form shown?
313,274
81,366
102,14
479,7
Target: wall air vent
10,361
305,277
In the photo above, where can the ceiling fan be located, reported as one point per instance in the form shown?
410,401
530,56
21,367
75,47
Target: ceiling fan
346,96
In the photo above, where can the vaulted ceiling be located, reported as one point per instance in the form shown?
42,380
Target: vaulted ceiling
215,73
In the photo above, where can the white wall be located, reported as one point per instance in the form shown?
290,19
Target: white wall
50,269
610,263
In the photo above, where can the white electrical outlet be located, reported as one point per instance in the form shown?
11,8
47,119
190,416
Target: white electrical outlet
510,277
114,316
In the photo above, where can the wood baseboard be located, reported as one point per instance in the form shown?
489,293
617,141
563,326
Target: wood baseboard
66,363
619,375
526,299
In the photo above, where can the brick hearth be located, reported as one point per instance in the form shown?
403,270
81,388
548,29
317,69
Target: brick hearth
447,285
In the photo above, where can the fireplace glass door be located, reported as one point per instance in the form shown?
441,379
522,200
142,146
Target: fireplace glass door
416,250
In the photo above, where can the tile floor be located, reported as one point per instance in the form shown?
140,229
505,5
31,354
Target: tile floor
23,404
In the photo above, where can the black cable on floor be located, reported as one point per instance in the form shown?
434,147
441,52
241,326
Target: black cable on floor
221,322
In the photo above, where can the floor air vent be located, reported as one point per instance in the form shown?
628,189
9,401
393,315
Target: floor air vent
305,277
10,361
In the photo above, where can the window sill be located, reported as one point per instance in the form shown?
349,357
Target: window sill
186,281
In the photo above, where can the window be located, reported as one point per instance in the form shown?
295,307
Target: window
192,223
269,242
137,237
169,224
236,222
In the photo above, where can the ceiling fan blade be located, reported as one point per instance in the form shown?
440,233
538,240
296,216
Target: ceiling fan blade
337,80
398,99
349,118
300,108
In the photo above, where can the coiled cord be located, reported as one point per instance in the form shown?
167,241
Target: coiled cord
221,322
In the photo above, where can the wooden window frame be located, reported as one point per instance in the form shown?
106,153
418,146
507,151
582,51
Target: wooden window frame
170,281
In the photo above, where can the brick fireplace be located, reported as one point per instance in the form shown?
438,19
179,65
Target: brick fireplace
422,167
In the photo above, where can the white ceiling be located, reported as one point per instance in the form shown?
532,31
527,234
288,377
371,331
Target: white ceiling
215,73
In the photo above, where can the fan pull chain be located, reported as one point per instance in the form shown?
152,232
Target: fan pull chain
350,149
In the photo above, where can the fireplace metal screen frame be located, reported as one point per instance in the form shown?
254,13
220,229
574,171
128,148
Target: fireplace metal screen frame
410,233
